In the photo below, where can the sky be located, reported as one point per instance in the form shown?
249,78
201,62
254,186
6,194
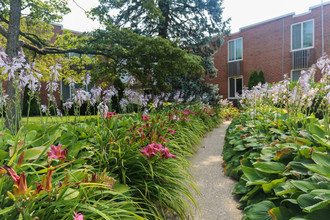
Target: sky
241,12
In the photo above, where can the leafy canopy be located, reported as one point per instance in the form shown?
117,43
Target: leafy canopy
195,23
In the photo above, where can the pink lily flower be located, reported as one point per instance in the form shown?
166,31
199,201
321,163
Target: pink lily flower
163,139
110,114
78,216
185,112
172,131
149,150
166,153
57,152
140,131
186,119
145,118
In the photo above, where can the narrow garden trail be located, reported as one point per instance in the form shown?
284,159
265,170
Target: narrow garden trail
216,201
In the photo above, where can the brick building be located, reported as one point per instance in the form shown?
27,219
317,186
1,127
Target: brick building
282,45
64,91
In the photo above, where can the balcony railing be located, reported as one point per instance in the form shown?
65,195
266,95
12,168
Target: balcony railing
301,59
234,68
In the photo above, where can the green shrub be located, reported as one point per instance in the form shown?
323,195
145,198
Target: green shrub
34,107
262,77
255,78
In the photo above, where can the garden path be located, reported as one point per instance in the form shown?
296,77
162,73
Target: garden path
216,201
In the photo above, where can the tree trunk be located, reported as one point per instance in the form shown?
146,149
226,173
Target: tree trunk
12,48
164,21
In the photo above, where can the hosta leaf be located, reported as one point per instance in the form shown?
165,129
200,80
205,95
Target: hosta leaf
293,201
323,194
322,214
3,154
280,213
323,170
304,141
317,130
321,140
31,135
268,187
239,147
283,153
260,211
321,159
251,193
303,185
33,153
276,131
240,187
306,200
298,167
305,151
269,167
316,178
254,176
284,188
317,206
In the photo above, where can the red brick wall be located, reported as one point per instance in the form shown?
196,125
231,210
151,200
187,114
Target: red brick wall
263,48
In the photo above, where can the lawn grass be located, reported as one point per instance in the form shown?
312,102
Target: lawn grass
54,119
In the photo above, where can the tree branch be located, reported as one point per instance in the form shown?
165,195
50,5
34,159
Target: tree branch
3,31
53,50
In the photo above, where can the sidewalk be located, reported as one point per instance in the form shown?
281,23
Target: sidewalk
216,201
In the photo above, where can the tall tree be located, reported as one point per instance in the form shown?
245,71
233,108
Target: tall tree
197,24
10,29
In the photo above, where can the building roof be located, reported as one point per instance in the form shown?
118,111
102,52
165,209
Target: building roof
280,17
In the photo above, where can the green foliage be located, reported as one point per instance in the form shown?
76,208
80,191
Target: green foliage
253,79
34,106
256,78
150,60
280,175
262,77
195,24
104,174
191,22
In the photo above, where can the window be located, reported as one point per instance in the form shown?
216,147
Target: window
302,35
235,49
67,92
235,86
295,74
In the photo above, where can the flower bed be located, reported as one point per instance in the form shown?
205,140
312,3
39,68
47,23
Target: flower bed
116,167
280,152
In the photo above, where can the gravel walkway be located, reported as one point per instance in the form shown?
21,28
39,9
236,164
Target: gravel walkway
216,201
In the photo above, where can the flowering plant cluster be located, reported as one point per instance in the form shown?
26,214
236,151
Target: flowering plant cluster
62,180
304,96
151,151
299,96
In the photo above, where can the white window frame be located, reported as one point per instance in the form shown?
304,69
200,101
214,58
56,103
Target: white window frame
236,77
306,69
302,36
229,61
